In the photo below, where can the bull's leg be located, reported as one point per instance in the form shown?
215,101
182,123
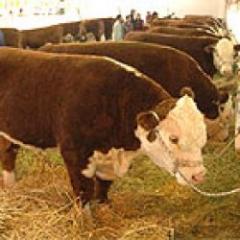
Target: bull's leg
76,161
102,188
8,153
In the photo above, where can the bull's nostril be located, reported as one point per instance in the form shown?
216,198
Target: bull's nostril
194,178
198,178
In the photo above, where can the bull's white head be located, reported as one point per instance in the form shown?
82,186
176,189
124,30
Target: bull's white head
175,141
223,56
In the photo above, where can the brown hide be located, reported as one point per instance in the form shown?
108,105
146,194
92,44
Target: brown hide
79,103
194,46
108,26
207,22
171,68
91,25
8,154
99,26
36,38
95,26
182,31
181,23
207,19
197,16
34,96
71,27
12,37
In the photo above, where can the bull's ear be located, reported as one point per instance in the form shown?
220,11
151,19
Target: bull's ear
237,47
187,91
148,120
209,48
223,97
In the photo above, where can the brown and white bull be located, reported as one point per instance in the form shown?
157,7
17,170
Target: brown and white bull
35,38
174,70
115,164
211,53
12,37
84,104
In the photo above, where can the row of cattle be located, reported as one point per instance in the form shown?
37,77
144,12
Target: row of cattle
206,39
36,38
94,99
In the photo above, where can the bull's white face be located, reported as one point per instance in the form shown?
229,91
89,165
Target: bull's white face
181,138
223,56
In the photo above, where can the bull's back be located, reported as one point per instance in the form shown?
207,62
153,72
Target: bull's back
181,31
38,37
48,92
169,67
12,37
158,62
194,46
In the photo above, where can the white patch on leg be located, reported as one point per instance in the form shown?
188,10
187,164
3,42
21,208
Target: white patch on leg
90,171
87,210
110,166
8,178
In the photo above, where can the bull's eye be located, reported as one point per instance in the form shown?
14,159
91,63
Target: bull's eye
221,108
151,136
174,139
215,102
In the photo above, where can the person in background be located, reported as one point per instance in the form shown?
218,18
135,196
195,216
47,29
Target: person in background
133,16
139,23
118,29
20,12
128,26
148,17
154,16
2,41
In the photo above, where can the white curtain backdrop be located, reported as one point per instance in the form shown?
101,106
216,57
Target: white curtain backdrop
101,8
84,9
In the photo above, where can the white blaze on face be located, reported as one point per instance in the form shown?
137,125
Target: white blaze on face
184,133
224,56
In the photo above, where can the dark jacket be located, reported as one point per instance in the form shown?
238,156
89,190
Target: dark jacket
2,41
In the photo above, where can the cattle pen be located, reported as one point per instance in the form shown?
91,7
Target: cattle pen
146,204
119,120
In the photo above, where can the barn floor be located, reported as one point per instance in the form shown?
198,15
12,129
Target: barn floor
147,204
